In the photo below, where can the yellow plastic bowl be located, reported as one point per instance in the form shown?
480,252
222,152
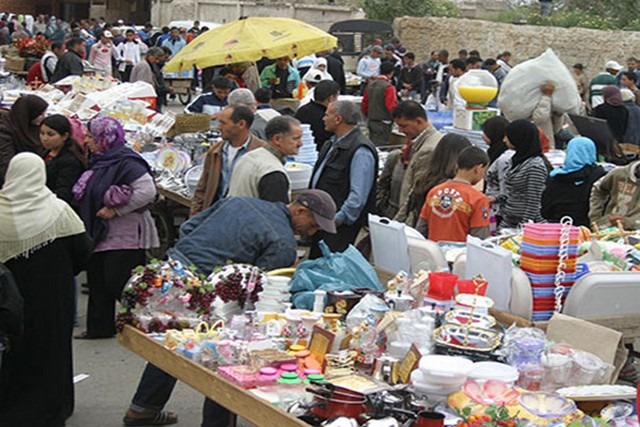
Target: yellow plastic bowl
478,94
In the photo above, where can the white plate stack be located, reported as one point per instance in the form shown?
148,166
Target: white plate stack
438,376
308,153
274,295
299,174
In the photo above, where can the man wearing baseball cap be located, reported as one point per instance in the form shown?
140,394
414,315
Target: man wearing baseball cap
606,78
241,230
102,53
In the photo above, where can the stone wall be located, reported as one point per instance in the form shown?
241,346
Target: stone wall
590,47
322,16
479,8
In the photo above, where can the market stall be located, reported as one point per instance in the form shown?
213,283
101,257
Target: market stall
389,356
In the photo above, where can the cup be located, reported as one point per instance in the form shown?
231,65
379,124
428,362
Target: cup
442,285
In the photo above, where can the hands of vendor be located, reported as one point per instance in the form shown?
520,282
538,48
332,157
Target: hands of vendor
491,199
613,219
274,81
547,88
106,213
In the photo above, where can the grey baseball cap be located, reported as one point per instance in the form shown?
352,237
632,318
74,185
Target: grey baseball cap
321,206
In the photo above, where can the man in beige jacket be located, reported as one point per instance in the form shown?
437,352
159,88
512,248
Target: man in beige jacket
411,119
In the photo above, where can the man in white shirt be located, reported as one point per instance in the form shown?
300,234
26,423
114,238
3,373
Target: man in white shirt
369,65
50,59
102,53
457,68
130,53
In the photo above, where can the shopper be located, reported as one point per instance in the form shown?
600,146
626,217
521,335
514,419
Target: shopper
454,209
441,167
130,53
104,53
211,239
281,78
233,123
325,92
379,100
44,245
614,112
64,157
346,169
214,101
261,173
615,198
493,132
526,178
569,187
19,129
411,119
70,63
114,197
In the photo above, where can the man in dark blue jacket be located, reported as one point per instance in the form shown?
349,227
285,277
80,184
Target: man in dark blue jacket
243,230
214,101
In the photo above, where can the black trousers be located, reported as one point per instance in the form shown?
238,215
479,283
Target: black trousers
107,274
345,236
126,74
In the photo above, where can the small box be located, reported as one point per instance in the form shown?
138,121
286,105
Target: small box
466,119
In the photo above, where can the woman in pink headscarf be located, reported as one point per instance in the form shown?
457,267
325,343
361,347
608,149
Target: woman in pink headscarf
114,196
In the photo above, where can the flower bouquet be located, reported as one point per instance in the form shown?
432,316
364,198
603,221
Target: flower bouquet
164,295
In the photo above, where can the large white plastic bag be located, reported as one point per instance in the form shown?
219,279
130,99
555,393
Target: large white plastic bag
520,91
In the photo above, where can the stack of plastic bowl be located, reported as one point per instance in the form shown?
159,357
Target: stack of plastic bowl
308,153
275,295
299,174
484,371
438,376
540,258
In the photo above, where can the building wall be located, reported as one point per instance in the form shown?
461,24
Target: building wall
30,7
590,47
322,16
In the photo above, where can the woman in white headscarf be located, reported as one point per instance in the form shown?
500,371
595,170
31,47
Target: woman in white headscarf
44,245
319,66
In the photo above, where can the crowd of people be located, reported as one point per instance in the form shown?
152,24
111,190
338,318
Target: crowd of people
75,197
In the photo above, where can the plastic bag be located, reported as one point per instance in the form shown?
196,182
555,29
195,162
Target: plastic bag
361,310
520,92
333,272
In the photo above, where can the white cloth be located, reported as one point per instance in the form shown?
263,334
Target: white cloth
30,214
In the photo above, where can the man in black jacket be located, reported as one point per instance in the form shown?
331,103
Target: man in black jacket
70,64
312,113
346,169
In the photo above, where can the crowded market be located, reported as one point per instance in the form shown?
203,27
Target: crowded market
394,239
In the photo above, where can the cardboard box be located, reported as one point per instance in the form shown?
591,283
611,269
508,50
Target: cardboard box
472,119
604,342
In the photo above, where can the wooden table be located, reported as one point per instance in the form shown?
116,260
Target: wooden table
235,399
176,197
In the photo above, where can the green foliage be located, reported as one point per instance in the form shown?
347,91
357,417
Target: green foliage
387,10
593,14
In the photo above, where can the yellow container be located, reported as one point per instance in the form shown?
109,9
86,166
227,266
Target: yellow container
478,94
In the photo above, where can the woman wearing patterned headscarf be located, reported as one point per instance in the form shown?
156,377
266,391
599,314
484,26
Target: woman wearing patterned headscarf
114,197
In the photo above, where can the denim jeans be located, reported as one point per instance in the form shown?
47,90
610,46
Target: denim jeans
154,390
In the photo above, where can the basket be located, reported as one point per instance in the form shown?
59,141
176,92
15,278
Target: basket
186,123
15,64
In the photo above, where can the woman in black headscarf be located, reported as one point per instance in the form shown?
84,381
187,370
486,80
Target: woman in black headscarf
526,179
493,135
614,112
20,131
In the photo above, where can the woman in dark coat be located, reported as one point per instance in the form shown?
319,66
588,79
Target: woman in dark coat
614,112
568,188
44,245
19,129
64,158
